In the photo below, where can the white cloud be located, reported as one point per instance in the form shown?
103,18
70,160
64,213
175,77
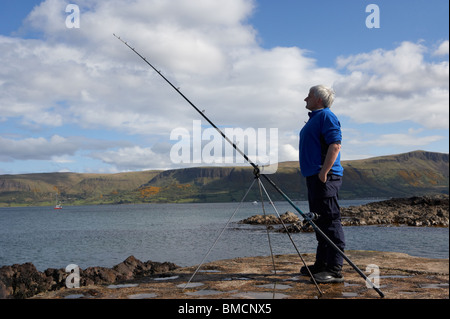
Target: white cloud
134,158
58,149
443,49
205,47
397,139
288,152
86,78
404,140
390,86
35,148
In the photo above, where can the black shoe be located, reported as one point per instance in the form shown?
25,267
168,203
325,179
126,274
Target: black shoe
329,275
314,269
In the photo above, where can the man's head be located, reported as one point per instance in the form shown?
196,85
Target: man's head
319,97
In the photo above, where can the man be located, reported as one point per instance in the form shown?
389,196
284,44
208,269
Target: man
319,154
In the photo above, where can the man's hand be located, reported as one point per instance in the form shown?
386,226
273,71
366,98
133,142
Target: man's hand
333,151
323,176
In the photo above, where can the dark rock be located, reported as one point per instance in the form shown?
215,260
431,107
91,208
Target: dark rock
98,275
24,281
287,218
56,277
156,267
128,268
290,220
414,211
423,211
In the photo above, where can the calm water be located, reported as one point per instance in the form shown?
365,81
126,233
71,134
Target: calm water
179,233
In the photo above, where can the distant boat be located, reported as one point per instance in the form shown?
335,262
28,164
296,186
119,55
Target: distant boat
58,205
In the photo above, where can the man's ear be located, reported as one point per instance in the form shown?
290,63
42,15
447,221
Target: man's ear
320,101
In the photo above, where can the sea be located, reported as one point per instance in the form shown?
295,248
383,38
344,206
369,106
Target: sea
184,234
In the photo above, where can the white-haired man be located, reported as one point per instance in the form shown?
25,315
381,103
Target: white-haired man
319,155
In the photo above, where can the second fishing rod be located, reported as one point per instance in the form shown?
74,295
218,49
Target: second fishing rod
307,217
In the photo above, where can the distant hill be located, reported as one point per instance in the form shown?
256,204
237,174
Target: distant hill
415,173
72,188
409,174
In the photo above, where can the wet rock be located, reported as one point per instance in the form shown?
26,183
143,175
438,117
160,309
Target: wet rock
56,278
127,269
296,228
290,220
401,277
287,218
98,275
260,220
157,268
24,281
423,211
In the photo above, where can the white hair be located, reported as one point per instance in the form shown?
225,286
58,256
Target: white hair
325,93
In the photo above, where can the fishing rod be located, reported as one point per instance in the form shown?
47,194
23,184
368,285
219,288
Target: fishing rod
257,172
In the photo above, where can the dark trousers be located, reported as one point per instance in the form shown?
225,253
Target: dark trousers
323,200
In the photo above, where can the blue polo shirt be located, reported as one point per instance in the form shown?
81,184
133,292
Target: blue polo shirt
322,129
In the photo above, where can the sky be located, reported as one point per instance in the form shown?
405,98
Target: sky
74,98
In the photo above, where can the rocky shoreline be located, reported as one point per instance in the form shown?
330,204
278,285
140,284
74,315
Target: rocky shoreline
423,211
21,281
401,277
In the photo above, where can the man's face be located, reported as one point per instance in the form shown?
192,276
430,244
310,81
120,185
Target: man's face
313,103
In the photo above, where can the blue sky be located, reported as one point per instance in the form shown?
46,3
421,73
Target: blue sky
76,99
333,28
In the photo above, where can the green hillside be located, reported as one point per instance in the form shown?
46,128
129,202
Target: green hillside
415,173
72,188
409,174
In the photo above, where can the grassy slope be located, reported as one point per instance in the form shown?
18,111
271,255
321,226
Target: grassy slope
408,174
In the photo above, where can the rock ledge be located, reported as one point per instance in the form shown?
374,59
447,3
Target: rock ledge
24,281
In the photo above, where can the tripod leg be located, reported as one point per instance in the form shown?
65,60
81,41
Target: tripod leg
267,225
220,235
292,241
